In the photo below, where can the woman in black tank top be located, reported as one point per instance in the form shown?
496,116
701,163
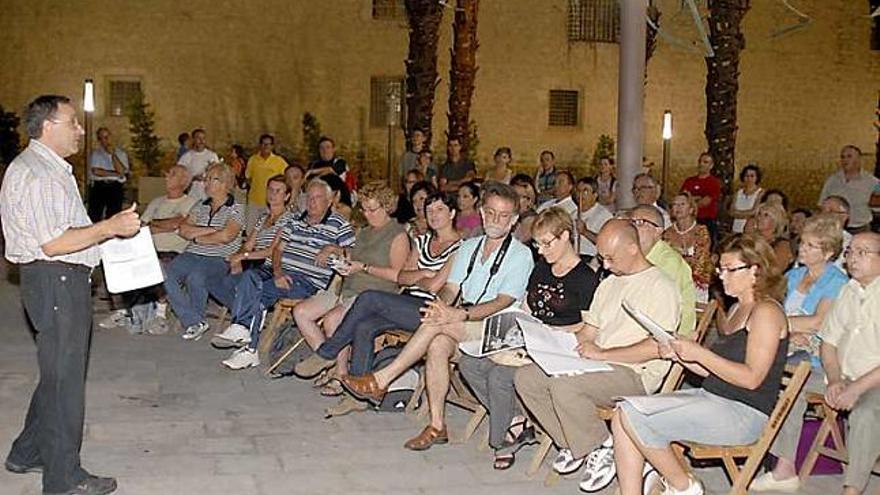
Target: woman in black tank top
742,371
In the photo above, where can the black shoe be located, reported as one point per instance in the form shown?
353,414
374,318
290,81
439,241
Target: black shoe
93,485
22,469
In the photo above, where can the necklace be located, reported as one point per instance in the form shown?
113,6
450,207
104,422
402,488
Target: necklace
685,231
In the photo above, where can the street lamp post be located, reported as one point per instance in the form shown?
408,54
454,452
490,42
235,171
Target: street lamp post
667,138
392,100
88,110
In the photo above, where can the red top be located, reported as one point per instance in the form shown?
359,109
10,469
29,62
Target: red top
704,186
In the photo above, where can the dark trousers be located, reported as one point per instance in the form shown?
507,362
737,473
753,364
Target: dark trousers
105,199
57,299
372,313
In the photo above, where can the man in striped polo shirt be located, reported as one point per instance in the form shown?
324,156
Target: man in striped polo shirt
297,269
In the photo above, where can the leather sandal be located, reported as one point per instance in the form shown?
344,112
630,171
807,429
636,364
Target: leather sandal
364,387
428,437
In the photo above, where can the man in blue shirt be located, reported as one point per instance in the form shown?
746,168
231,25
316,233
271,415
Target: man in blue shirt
108,169
489,273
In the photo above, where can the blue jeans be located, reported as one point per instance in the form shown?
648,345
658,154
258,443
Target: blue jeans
256,291
373,312
187,279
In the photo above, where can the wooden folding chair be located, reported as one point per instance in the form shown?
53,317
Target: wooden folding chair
754,453
670,384
829,427
281,312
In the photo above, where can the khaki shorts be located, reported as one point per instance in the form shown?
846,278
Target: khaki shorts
328,300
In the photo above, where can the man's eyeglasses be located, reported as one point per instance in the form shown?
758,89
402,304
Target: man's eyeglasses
499,216
858,253
721,270
642,188
73,123
641,222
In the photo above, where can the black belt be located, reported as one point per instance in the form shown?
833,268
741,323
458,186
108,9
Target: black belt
61,264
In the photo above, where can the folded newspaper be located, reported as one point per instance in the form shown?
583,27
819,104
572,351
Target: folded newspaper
659,333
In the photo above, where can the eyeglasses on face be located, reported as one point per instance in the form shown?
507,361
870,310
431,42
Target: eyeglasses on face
642,222
496,216
721,270
858,252
544,245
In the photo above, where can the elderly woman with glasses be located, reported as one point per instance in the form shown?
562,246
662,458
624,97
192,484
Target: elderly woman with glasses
742,374
560,287
214,233
812,289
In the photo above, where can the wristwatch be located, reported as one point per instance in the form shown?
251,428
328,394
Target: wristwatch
247,254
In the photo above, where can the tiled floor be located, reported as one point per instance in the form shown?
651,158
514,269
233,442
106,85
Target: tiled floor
166,418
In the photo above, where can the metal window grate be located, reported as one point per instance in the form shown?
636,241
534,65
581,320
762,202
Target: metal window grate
594,20
389,9
381,89
563,107
121,93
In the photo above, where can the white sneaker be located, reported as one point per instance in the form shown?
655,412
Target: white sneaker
116,319
694,488
565,463
195,332
600,470
241,359
236,333
767,483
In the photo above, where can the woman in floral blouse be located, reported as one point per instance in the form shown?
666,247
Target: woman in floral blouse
691,239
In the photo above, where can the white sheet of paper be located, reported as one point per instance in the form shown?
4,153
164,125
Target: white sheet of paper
132,263
659,333
555,351
652,404
471,347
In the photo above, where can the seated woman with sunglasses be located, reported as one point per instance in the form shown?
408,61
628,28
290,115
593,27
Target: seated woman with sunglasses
742,374
560,287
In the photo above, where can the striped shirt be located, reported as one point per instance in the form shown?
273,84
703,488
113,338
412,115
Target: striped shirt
302,241
201,216
427,261
39,201
265,236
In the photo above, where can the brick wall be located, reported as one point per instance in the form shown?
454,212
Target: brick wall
240,69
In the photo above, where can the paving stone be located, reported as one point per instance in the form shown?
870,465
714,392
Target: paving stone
164,417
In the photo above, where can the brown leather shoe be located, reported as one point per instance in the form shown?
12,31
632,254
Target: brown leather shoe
364,387
428,437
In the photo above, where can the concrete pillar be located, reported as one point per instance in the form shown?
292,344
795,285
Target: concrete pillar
630,97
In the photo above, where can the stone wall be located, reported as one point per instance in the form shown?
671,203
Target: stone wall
243,68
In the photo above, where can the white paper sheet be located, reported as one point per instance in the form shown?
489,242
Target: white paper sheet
660,334
653,404
555,351
132,263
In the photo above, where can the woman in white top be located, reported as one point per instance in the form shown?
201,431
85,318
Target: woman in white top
747,197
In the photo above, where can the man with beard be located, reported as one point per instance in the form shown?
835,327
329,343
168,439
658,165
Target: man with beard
490,272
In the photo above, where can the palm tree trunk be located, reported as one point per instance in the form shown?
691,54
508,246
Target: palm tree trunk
651,36
463,70
722,83
424,18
